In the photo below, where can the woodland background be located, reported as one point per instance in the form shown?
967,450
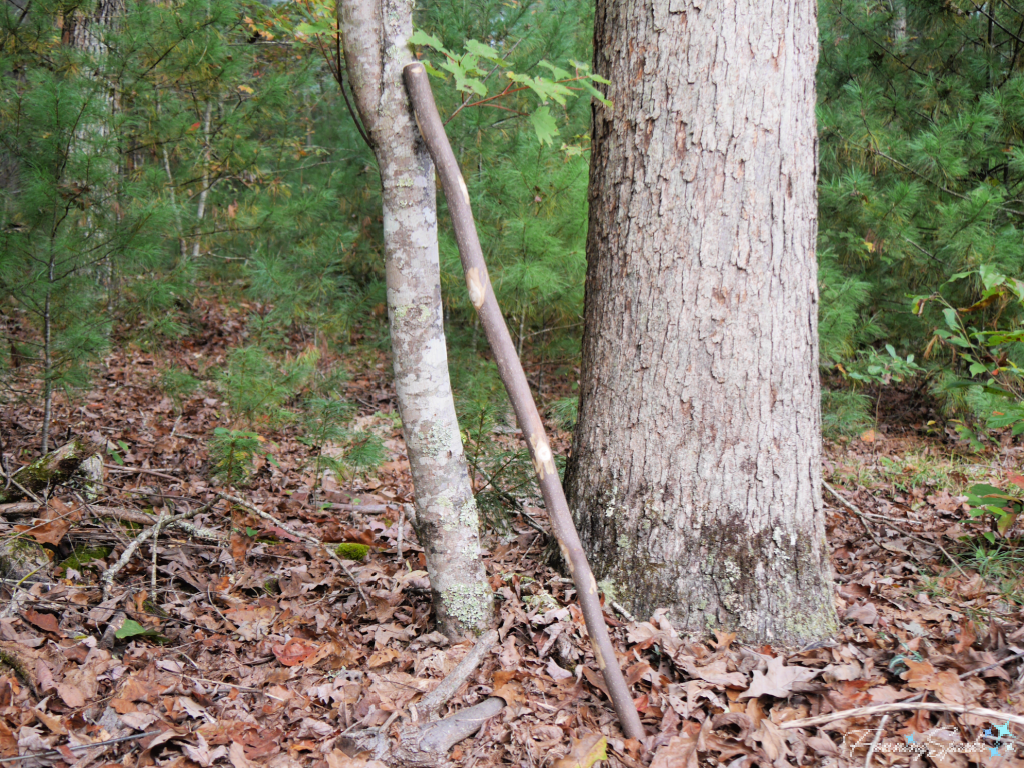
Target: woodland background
191,275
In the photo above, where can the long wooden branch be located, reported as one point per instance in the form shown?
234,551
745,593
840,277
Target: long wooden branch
514,379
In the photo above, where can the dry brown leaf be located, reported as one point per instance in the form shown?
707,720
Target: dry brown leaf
865,613
382,657
236,754
294,652
584,752
45,621
919,675
338,759
778,681
680,752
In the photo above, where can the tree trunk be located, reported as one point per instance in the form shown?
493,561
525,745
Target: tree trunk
375,37
695,472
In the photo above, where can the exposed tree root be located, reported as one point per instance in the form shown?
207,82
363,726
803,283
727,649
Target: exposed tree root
428,743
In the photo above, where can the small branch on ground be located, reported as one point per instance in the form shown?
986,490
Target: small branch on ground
126,556
863,515
878,709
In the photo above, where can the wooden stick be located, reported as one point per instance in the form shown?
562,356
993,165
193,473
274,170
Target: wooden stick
878,709
860,515
510,368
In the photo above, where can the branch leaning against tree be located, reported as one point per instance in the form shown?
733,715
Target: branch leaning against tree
514,379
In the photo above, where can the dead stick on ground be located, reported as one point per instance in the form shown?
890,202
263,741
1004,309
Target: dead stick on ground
112,571
878,709
510,368
302,536
141,471
918,697
58,753
857,512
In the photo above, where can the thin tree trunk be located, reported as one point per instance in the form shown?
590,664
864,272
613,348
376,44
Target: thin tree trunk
201,209
48,353
696,463
375,37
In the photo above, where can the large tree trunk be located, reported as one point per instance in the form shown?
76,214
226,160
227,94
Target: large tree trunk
375,36
695,471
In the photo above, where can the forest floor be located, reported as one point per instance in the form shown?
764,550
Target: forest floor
248,646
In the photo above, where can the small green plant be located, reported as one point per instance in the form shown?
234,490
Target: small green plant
322,421
256,387
844,412
232,453
1003,505
565,411
178,385
984,339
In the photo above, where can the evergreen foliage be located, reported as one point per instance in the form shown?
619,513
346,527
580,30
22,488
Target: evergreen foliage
921,117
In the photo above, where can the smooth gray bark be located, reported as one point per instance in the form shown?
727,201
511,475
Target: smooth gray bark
695,471
375,37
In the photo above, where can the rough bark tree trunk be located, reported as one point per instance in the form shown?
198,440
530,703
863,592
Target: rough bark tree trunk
695,470
375,37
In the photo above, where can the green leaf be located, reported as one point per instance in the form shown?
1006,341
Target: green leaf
977,368
557,72
419,37
544,125
132,628
951,319
483,51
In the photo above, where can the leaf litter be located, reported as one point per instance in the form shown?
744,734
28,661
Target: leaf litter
241,644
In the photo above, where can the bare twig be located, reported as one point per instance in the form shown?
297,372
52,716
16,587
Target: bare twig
857,512
141,471
108,575
862,515
58,753
878,709
305,537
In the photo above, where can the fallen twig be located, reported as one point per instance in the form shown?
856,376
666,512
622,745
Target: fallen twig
305,537
108,575
374,508
59,753
141,471
878,709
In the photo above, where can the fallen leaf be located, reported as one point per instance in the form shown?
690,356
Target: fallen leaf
584,752
778,681
45,621
338,759
865,613
294,652
680,752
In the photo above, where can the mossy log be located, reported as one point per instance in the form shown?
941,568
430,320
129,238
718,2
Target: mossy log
23,558
52,469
